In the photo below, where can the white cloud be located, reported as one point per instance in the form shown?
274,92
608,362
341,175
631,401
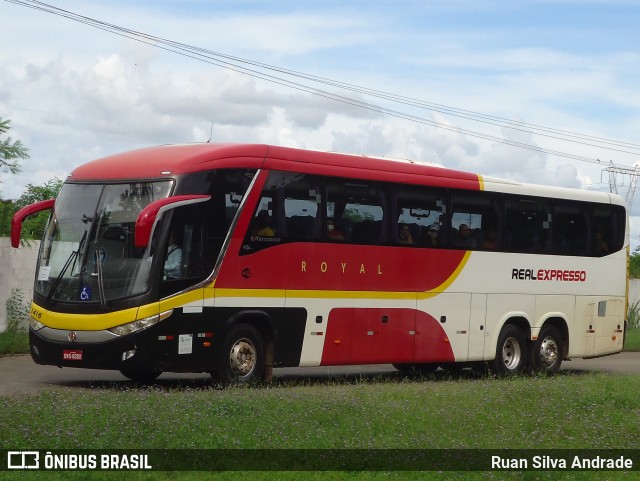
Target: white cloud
76,93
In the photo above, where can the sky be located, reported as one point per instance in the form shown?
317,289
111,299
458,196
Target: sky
75,93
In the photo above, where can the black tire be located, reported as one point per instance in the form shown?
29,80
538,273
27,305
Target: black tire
143,377
242,357
511,352
547,351
421,369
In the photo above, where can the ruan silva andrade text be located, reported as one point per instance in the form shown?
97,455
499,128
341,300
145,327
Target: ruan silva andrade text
549,462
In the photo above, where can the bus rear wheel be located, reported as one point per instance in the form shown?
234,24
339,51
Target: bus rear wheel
511,352
546,352
242,360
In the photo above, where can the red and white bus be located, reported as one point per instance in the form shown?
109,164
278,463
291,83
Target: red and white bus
220,258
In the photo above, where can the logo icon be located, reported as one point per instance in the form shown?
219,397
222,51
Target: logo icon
86,293
72,336
23,460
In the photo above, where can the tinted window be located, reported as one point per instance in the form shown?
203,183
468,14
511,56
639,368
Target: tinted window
527,225
475,220
571,228
357,209
289,210
609,223
418,216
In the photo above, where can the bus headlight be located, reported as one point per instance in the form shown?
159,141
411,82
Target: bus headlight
140,324
35,325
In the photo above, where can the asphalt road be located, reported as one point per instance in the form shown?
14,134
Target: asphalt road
19,375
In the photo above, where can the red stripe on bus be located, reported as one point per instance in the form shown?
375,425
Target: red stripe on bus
406,335
318,266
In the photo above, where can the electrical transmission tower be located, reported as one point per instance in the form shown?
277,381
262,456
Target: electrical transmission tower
632,172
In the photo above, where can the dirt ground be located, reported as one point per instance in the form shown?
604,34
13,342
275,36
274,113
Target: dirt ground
20,375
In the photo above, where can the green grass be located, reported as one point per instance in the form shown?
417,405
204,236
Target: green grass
632,340
562,412
568,411
14,342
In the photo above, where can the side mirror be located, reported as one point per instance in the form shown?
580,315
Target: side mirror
147,218
18,217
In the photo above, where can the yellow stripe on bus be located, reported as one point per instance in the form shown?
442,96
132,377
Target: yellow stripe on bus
82,322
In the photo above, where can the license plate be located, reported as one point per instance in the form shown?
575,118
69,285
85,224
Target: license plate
72,355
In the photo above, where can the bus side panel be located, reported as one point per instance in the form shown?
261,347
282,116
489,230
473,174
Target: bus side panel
609,326
500,309
384,335
598,328
369,336
477,327
432,344
194,341
446,320
337,267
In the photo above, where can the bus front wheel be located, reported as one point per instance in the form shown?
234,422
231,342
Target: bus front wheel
242,359
546,353
511,352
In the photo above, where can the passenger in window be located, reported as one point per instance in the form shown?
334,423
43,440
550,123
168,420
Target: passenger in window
261,227
464,239
600,247
490,241
404,235
173,263
332,232
432,234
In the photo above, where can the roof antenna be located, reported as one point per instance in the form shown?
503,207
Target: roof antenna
210,133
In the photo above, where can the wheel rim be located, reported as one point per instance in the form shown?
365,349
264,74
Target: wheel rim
548,352
243,357
511,353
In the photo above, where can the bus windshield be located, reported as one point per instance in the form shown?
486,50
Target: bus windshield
87,253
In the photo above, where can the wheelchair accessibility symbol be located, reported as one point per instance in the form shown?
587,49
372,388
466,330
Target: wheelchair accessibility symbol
86,293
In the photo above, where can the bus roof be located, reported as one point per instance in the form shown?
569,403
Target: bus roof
174,160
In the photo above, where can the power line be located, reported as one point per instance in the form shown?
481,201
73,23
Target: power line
267,73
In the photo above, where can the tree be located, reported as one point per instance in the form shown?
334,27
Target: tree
33,226
634,264
11,151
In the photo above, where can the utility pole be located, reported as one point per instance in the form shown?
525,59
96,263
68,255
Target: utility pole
632,172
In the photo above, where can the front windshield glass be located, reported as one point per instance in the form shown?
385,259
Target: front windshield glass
88,254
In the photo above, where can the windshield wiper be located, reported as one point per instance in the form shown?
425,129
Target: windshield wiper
72,258
101,294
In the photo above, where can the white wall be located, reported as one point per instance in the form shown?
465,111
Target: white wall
17,271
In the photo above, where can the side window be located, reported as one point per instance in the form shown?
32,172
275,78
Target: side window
227,188
418,215
288,211
527,225
571,229
475,221
302,212
356,212
184,255
609,223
